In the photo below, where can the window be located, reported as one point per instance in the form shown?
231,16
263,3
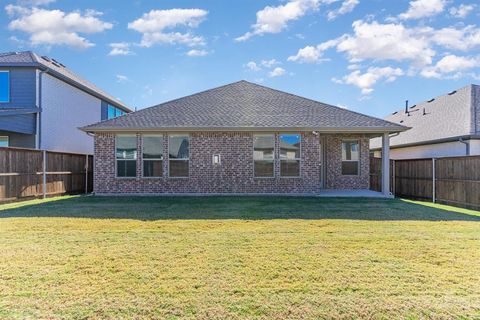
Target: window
152,156
4,86
263,155
178,155
113,112
4,141
126,154
290,155
350,158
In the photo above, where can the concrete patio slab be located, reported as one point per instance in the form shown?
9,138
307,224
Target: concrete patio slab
353,193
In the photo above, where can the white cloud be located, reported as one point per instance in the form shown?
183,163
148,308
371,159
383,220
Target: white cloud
458,39
462,10
120,49
153,24
197,53
367,80
121,78
276,19
385,42
253,66
423,9
269,63
55,27
311,54
346,7
277,72
35,3
450,65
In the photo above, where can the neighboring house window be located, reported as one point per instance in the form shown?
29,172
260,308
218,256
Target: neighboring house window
152,155
4,86
263,155
290,155
4,141
113,112
178,155
126,154
350,158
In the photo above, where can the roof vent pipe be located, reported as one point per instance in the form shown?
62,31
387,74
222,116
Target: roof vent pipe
406,107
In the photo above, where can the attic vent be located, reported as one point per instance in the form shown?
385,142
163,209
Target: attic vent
56,63
401,121
431,100
413,106
395,112
453,92
46,58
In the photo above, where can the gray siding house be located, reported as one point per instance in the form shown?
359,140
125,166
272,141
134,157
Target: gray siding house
444,126
238,138
43,103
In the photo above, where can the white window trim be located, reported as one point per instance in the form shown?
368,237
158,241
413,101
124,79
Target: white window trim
357,161
116,160
274,153
296,159
178,159
9,87
161,136
8,140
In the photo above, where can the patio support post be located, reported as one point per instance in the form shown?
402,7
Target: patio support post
386,164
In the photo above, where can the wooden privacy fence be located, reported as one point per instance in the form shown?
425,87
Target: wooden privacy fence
450,180
29,173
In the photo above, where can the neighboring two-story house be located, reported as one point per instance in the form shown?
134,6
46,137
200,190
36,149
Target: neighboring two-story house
444,126
42,104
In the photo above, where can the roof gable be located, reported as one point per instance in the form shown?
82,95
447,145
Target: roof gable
244,105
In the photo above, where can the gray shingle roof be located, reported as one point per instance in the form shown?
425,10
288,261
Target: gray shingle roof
244,105
446,116
28,58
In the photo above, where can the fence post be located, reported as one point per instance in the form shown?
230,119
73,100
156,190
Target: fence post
44,173
393,178
86,173
433,180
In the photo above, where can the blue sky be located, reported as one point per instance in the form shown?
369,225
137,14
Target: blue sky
369,56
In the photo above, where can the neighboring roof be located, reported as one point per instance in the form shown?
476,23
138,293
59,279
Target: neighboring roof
443,118
57,69
245,106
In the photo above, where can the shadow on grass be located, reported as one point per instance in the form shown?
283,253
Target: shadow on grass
248,208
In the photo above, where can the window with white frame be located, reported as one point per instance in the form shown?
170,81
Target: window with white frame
3,141
178,155
350,157
126,155
4,86
152,155
263,155
290,148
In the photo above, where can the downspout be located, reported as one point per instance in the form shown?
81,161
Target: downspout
467,145
39,117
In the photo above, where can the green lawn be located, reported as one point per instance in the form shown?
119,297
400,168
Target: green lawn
238,258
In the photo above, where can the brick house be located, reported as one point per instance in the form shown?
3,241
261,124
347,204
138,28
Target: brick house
238,138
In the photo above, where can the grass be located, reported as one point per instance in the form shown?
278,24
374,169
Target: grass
238,258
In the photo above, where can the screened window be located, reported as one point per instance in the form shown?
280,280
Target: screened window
290,155
263,155
113,112
350,158
178,155
4,86
152,156
4,141
126,154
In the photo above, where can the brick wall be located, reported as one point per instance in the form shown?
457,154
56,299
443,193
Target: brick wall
234,174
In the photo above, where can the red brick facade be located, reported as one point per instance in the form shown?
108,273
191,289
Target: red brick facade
235,173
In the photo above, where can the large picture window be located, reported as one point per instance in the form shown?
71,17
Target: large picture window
152,155
178,156
263,155
126,155
4,86
350,158
290,155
